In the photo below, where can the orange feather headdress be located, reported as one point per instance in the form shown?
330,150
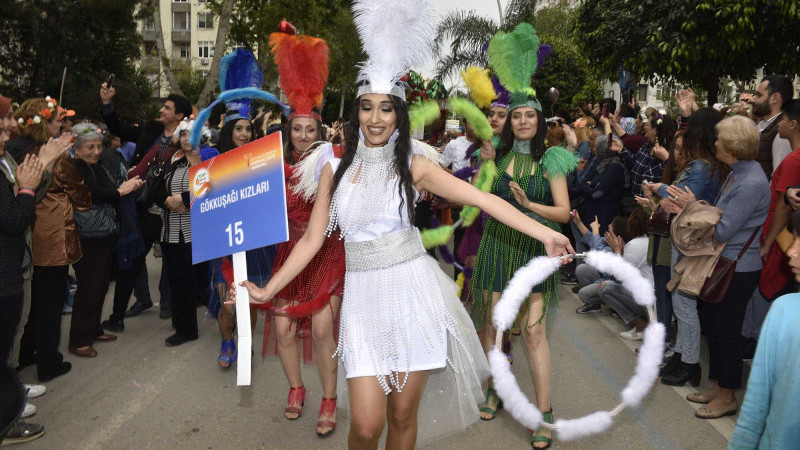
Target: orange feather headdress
303,68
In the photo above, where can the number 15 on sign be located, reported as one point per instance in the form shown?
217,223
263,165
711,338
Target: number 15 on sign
235,233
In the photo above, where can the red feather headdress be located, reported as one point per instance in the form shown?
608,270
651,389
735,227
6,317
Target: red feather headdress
303,68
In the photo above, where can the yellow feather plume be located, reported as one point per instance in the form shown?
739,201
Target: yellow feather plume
480,86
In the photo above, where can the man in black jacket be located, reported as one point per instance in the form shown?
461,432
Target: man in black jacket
176,108
152,136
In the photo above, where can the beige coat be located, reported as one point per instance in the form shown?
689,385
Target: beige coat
692,233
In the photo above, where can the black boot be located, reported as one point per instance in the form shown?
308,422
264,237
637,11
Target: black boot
683,373
672,363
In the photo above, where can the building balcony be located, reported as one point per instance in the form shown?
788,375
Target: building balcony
181,35
181,7
148,35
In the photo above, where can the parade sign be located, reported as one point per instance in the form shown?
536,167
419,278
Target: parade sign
238,200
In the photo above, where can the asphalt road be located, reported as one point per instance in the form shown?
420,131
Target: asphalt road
139,394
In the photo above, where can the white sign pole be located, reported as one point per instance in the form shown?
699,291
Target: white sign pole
245,343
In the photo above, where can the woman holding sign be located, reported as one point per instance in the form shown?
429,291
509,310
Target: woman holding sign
308,306
239,70
402,325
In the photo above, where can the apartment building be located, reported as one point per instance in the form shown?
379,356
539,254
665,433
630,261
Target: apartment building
189,31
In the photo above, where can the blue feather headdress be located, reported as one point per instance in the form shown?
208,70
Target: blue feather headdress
240,80
239,69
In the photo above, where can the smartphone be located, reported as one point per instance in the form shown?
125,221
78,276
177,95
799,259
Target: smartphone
604,112
112,79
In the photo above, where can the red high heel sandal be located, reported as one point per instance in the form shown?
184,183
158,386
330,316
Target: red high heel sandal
327,409
296,396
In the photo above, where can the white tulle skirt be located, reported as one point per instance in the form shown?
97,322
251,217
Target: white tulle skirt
407,318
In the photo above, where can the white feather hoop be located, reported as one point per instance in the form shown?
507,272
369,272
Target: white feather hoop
396,35
647,363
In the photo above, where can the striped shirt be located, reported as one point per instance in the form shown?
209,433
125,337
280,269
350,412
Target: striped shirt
176,226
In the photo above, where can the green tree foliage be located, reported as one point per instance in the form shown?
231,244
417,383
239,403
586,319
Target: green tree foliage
190,81
692,42
331,20
91,38
567,69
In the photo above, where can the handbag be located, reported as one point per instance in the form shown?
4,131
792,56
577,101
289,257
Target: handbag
717,284
660,222
152,178
98,222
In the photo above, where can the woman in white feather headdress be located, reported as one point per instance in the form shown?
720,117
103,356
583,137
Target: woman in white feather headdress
402,326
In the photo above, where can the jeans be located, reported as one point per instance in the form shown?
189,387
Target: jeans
687,340
661,276
620,300
587,274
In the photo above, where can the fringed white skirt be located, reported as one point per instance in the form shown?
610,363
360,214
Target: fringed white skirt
400,314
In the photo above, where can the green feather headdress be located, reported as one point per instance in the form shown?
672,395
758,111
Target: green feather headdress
513,56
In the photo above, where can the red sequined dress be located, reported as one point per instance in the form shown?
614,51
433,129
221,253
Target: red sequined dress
311,290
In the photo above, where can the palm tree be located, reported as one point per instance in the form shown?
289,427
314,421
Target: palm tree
468,34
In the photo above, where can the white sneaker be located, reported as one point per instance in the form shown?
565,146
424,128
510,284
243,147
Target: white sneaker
35,390
632,335
29,410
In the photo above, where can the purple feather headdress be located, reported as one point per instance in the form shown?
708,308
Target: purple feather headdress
545,50
503,96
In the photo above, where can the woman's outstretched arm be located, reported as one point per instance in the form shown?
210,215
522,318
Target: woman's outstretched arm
430,177
305,249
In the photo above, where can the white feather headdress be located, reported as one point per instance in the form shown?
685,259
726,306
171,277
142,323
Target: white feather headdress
396,35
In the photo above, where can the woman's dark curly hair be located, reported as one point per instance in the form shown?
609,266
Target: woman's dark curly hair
225,143
537,142
699,140
288,147
665,132
402,154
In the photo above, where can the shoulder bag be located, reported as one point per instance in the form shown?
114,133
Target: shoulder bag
717,284
98,222
153,178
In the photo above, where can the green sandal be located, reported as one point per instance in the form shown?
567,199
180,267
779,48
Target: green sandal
491,397
536,437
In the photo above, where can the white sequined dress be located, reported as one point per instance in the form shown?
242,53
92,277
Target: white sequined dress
400,312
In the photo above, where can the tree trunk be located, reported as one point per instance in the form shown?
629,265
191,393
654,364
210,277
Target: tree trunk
207,94
165,60
341,105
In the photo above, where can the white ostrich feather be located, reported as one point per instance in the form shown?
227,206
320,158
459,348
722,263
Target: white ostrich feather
647,365
423,149
519,288
309,169
606,262
396,35
573,429
514,401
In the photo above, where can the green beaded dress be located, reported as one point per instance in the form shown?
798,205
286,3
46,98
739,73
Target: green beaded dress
503,250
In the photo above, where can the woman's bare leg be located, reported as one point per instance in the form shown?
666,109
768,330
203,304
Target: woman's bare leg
487,337
402,408
286,330
324,348
539,358
367,413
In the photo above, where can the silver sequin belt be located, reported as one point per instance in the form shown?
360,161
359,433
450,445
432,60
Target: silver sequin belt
386,251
